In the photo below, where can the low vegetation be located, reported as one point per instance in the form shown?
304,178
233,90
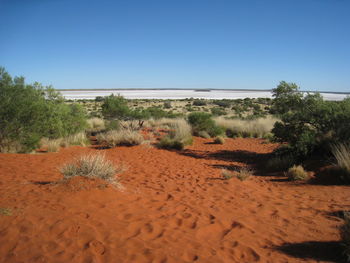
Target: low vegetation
121,137
92,166
202,122
219,140
257,128
243,173
297,173
179,136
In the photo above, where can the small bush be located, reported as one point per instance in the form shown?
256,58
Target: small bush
168,143
297,173
53,145
76,139
345,235
92,166
226,174
219,140
199,103
5,211
122,137
201,121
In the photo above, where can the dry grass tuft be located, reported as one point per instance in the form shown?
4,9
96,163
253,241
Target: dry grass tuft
5,211
297,173
126,137
257,128
179,136
96,125
341,153
243,173
92,166
219,140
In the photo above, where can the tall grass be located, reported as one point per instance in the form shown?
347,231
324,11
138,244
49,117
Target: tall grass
257,128
96,125
125,137
179,136
53,145
341,153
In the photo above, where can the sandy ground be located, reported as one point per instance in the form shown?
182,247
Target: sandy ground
174,207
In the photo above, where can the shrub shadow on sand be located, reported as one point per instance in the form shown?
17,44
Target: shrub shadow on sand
330,251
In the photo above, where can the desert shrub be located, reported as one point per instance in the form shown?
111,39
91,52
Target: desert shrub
30,112
345,235
201,121
112,125
308,123
5,211
122,137
218,111
297,173
223,103
167,105
219,140
179,136
115,107
199,103
92,166
226,174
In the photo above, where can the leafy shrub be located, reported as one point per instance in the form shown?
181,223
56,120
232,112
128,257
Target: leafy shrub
122,137
297,173
115,107
308,123
219,140
30,112
92,166
167,104
202,121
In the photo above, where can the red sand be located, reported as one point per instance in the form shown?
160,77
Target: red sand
174,208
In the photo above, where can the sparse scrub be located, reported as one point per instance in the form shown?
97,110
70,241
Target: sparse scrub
53,145
219,140
77,139
203,134
92,166
122,137
297,173
243,173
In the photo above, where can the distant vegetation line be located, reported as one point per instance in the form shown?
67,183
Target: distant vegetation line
205,90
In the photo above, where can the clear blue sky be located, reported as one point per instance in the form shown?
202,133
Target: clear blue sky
178,43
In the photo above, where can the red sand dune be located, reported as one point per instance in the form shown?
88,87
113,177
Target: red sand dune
174,208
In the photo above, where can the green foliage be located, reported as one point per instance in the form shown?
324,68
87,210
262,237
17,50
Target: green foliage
115,107
30,112
309,123
167,105
201,121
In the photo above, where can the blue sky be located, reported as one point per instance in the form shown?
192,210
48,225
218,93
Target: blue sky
250,44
